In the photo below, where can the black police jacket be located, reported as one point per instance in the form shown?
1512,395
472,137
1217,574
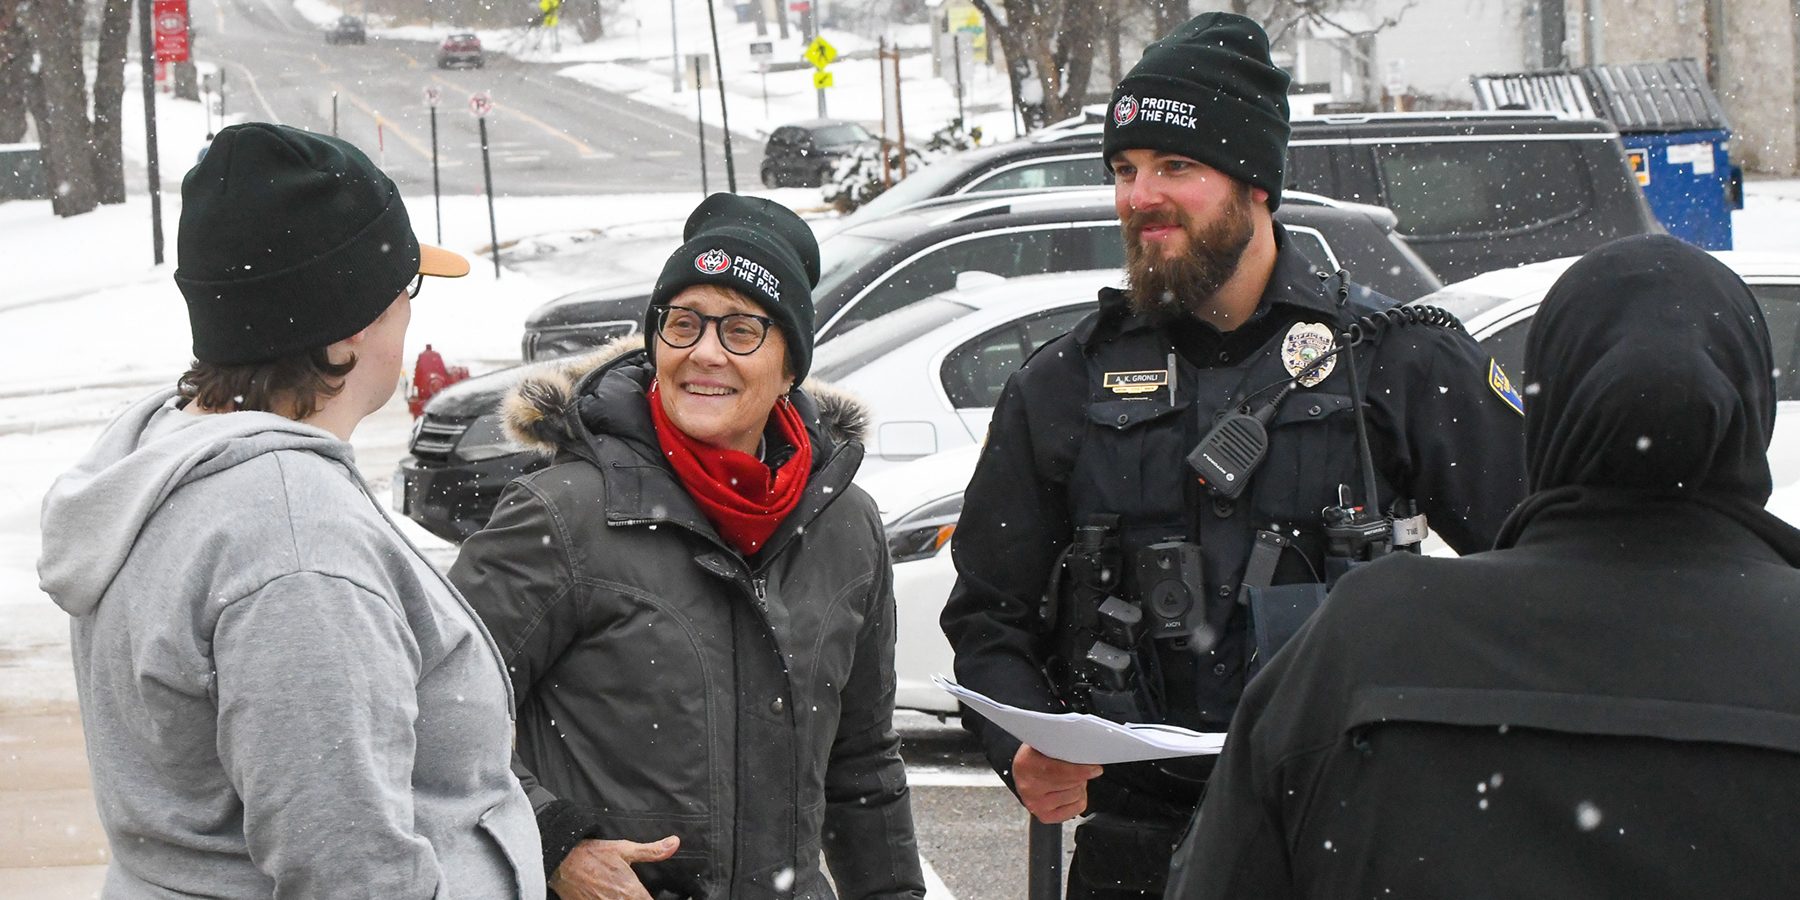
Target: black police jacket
1065,443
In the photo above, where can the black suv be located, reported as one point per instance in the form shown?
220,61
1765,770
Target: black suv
460,457
802,154
1473,192
346,30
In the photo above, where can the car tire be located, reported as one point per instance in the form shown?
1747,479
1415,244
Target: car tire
769,178
820,177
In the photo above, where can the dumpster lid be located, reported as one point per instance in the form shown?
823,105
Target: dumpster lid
1638,98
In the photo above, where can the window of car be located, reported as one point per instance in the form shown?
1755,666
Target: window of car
1059,172
1463,187
974,373
840,257
1314,247
838,358
1781,309
847,133
1006,253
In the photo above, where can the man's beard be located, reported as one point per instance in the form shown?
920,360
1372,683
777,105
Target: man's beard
1166,288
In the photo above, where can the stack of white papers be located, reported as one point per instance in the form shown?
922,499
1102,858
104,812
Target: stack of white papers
1085,739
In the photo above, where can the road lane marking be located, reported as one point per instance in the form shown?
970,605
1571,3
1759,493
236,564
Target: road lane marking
254,89
386,123
549,129
934,776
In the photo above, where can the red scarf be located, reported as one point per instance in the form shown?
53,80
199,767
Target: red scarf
735,490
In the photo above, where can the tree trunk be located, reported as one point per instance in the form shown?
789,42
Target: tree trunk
1171,13
54,29
15,71
109,97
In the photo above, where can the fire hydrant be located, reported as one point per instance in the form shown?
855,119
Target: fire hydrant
430,375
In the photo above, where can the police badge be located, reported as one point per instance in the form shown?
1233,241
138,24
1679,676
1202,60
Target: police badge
1305,342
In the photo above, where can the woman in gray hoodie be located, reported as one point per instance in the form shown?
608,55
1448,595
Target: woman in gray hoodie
281,697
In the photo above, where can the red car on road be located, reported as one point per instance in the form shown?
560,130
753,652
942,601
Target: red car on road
460,50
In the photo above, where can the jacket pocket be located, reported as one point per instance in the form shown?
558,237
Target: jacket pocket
513,829
1276,614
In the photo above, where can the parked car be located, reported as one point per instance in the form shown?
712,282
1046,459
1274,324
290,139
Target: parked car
346,30
1473,192
920,501
461,50
460,461
802,154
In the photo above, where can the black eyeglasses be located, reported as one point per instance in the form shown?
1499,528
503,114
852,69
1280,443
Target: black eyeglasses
739,333
412,290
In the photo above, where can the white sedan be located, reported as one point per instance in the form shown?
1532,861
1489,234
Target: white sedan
932,371
920,501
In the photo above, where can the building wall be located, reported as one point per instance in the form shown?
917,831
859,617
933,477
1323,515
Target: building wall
1440,43
1752,45
1757,83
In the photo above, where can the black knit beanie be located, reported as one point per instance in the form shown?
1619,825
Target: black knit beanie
289,241
1209,93
757,248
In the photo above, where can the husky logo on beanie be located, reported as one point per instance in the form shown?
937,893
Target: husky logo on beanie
1208,92
712,262
1125,110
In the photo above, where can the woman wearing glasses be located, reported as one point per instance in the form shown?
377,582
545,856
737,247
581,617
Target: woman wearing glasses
694,601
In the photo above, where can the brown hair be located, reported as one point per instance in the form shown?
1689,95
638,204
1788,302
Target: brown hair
291,386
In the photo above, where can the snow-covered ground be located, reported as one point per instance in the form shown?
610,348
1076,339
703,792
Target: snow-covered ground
635,59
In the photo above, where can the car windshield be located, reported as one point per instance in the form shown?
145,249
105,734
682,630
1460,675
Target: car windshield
839,357
847,133
841,256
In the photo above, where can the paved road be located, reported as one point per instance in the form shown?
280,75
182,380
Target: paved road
549,135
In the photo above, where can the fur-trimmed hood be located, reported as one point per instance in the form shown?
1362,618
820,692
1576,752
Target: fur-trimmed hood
536,411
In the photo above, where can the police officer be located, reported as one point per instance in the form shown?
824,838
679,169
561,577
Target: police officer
1097,569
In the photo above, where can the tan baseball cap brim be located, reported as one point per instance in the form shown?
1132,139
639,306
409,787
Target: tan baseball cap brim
440,262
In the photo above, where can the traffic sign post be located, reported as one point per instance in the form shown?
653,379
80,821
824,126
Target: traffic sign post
762,52
820,53
700,122
481,105
432,96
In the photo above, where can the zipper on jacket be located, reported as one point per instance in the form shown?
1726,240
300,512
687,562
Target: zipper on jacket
760,585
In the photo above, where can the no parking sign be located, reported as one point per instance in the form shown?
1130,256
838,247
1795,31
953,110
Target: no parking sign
480,105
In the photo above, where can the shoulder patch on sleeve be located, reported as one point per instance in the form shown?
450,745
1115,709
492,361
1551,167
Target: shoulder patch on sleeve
1498,381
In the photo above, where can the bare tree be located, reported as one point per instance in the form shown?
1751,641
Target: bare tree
15,74
1281,17
1049,46
82,156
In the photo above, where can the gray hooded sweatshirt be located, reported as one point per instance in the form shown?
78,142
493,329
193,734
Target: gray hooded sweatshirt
281,697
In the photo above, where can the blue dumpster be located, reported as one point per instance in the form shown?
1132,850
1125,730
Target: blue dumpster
1670,122
1690,183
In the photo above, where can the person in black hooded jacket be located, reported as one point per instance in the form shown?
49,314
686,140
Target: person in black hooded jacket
1605,705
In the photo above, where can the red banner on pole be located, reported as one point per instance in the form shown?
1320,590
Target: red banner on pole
171,17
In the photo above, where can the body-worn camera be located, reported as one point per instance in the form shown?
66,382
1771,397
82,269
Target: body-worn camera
1171,583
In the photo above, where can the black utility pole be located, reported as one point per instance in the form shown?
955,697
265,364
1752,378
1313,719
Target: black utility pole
437,200
700,121
487,176
147,54
724,114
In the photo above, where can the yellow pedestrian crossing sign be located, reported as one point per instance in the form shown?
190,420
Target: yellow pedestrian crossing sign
551,9
822,79
820,54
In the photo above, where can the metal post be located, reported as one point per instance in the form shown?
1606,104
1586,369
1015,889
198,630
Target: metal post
487,176
437,200
724,113
221,87
956,54
700,122
147,60
675,53
1043,879
334,113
